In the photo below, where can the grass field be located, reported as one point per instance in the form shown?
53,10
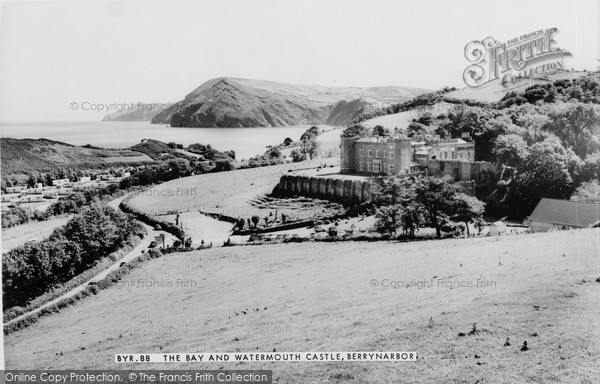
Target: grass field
19,235
320,297
228,193
200,227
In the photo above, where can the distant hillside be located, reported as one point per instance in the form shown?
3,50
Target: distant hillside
232,102
494,92
26,156
446,99
139,112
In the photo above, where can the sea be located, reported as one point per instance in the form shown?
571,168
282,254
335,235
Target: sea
246,142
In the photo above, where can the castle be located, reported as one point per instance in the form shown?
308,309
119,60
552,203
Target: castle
400,155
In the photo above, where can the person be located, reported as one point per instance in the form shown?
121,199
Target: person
202,244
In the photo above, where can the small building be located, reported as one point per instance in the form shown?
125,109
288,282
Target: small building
433,148
51,193
563,214
60,182
498,228
34,191
85,179
82,186
65,191
9,197
31,198
16,189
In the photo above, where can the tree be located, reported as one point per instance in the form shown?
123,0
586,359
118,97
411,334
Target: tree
590,168
393,194
436,196
332,231
310,134
546,172
287,141
255,220
416,128
297,156
178,168
588,192
222,166
309,148
388,219
354,130
390,192
411,218
467,209
274,153
511,150
577,125
379,130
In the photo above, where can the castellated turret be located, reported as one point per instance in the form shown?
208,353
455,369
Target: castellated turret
348,154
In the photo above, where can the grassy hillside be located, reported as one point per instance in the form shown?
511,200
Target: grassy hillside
228,193
319,297
495,91
23,156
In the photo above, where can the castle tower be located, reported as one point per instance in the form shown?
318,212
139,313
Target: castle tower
347,154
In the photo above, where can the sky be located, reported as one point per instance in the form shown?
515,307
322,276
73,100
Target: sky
53,54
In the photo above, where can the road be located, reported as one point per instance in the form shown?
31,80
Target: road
135,252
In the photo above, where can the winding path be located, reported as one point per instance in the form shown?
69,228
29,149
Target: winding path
135,252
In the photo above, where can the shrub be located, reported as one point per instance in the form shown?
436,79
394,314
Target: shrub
32,269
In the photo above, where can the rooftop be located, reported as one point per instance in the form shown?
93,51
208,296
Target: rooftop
566,212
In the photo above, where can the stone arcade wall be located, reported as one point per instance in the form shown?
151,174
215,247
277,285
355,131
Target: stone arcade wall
327,188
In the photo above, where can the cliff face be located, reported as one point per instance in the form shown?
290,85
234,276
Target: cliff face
344,111
228,102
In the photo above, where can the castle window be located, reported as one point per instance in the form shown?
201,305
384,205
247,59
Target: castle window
384,167
391,169
362,152
369,167
369,153
362,165
384,154
377,153
376,166
391,155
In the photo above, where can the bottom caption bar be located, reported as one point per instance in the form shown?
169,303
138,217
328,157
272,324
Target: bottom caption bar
146,376
262,357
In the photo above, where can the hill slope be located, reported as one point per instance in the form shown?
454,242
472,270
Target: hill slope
320,297
232,102
23,156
